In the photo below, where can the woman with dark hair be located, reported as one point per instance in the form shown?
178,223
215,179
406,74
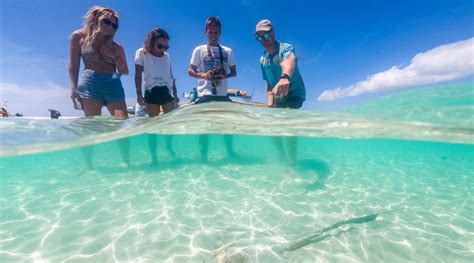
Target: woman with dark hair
104,61
153,64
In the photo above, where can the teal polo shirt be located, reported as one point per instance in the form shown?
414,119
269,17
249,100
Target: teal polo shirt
271,70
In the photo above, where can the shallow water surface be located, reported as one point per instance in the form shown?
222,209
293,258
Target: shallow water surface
362,187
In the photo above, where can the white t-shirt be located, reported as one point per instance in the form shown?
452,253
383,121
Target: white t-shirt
156,70
204,62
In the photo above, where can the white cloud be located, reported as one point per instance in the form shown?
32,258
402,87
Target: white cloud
442,63
25,81
35,100
49,91
24,56
22,65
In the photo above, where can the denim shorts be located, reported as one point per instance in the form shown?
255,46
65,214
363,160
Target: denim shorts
105,88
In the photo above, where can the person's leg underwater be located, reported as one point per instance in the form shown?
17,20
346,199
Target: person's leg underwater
204,146
168,107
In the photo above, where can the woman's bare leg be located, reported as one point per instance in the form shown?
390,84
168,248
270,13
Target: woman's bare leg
167,107
118,109
152,110
91,107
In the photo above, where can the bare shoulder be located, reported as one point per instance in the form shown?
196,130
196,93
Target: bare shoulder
77,34
117,45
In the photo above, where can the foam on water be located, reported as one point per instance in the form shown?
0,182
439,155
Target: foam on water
68,194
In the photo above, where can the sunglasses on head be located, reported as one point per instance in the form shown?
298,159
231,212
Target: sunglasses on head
264,37
110,23
161,46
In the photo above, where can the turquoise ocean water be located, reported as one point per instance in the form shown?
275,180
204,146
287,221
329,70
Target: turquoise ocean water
391,180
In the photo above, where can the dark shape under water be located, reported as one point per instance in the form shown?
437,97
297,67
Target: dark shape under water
321,169
316,237
226,254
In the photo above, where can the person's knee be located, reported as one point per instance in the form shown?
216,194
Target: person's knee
123,115
153,110
167,107
120,114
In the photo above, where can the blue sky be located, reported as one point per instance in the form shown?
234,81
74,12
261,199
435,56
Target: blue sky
356,46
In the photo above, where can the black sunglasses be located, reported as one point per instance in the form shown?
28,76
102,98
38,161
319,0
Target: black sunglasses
110,23
161,46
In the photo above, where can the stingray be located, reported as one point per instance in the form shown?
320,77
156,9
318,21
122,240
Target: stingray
318,235
238,255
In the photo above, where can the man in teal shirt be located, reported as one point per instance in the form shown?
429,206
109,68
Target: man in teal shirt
285,87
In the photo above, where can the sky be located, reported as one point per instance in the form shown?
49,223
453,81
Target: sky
347,50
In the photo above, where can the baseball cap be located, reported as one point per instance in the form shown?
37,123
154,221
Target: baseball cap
263,25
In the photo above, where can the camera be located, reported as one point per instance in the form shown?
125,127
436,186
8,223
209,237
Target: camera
216,75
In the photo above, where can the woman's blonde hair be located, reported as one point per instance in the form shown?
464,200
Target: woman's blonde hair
91,21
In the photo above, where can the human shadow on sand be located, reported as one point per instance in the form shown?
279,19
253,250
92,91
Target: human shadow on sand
319,169
178,162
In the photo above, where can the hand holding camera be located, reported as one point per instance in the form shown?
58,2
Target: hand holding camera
213,75
209,75
218,76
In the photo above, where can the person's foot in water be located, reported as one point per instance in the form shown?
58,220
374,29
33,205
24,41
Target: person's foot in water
233,155
204,158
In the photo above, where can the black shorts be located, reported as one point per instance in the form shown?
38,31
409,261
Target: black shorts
209,98
290,102
158,95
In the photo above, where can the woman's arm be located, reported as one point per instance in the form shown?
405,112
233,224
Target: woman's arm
74,64
138,83
116,52
121,61
175,91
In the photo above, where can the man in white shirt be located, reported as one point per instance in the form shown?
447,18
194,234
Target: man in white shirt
212,64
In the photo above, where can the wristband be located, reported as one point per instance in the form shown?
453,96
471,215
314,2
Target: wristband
285,76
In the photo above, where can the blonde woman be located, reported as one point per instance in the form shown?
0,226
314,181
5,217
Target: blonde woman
104,61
